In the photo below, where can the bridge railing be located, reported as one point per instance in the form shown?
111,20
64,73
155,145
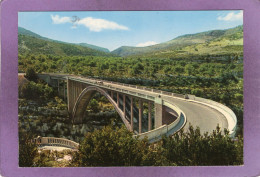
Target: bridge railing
226,111
52,141
100,82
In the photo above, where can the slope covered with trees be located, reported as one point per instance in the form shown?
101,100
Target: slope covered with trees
30,42
213,42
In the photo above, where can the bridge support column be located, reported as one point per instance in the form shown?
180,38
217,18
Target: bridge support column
132,114
64,91
58,86
117,99
112,95
69,97
158,114
124,105
149,116
140,115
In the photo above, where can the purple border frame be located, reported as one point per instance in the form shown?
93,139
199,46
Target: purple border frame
9,94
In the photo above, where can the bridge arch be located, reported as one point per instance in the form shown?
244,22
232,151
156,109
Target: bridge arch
83,100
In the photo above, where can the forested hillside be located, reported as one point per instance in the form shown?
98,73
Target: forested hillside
218,42
32,43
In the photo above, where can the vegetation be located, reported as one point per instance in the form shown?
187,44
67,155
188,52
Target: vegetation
25,32
27,149
32,90
194,149
213,42
110,147
33,45
114,146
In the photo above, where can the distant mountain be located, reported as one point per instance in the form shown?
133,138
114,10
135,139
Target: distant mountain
229,37
24,33
214,42
94,47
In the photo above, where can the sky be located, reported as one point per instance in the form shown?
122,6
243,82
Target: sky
113,29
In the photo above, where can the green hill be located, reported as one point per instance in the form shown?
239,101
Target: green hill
24,31
209,42
36,44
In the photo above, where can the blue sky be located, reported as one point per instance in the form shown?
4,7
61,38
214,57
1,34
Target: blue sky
113,29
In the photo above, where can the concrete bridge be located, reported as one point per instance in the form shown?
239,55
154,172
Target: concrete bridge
146,112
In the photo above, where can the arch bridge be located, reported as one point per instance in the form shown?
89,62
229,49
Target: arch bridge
146,112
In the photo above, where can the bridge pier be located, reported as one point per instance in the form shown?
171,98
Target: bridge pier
149,116
69,97
132,114
140,115
117,98
58,86
124,109
64,91
74,89
158,108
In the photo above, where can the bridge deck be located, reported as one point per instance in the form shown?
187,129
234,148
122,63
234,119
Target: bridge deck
197,114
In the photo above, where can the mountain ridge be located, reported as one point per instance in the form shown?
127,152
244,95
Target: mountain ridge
203,43
178,42
24,31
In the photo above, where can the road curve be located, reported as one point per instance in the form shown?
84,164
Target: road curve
199,115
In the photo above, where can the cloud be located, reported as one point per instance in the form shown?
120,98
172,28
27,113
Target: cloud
93,24
232,16
148,43
97,25
56,19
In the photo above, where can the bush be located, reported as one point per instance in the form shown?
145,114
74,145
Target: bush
36,91
108,147
31,74
192,148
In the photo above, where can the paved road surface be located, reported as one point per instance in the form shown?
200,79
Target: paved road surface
200,115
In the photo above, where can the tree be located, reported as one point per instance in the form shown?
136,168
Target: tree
189,69
109,147
192,148
27,149
166,69
93,105
31,74
34,91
